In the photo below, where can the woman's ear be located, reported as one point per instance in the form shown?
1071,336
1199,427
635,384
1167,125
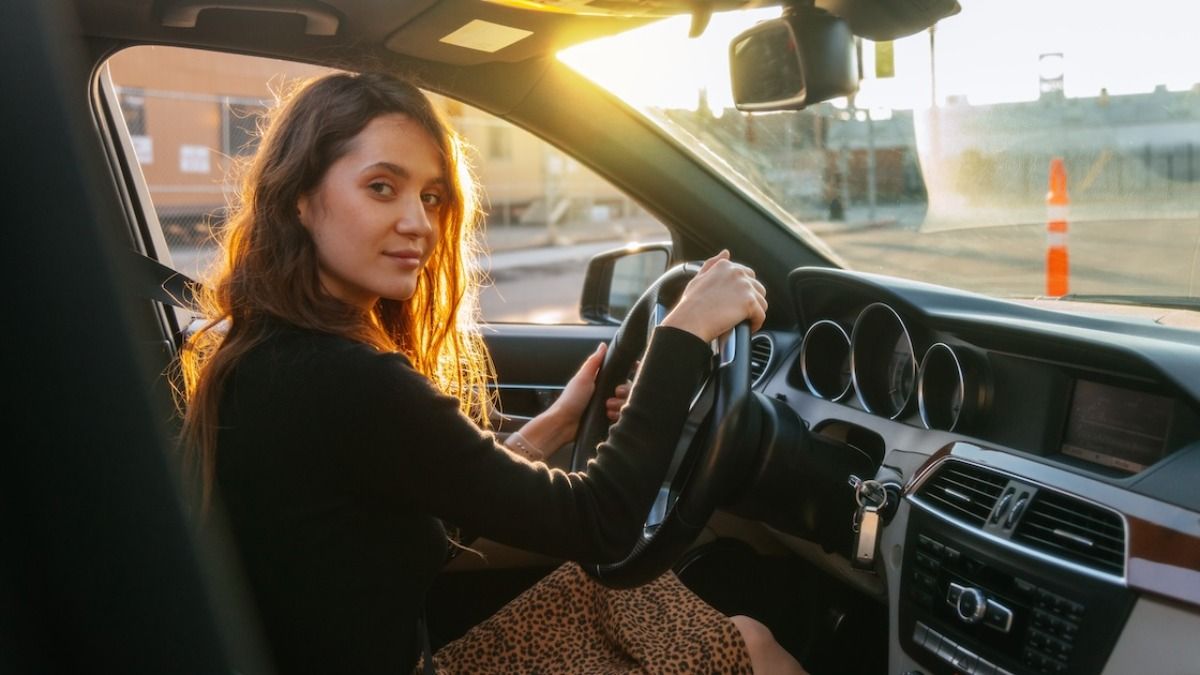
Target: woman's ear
302,210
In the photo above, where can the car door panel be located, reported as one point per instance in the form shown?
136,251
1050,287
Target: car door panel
534,362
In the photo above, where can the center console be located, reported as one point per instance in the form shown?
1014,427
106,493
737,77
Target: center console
981,593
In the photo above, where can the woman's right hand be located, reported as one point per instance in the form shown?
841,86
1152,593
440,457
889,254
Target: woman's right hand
719,297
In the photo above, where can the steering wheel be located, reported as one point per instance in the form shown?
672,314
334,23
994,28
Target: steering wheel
709,454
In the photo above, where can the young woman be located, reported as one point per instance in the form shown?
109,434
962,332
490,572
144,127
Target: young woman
333,399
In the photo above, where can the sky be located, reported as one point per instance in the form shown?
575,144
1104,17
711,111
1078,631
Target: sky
989,53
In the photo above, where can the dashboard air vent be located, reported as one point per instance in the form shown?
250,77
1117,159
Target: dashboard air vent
761,349
1074,530
963,491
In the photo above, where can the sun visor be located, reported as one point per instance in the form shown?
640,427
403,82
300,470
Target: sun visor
472,33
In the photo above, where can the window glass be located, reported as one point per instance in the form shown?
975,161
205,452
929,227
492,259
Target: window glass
192,114
239,122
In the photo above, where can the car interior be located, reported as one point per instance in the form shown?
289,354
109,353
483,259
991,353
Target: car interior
897,476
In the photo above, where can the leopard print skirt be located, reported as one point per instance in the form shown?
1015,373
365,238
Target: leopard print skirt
568,623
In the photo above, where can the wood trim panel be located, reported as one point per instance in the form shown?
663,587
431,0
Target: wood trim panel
1161,544
1163,561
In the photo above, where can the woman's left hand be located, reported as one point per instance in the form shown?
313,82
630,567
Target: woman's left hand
573,401
558,425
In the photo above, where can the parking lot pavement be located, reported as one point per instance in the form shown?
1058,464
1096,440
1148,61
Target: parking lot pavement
511,237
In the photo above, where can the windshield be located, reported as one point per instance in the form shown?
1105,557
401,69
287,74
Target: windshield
1018,149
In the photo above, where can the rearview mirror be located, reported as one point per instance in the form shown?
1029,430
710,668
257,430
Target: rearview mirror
806,57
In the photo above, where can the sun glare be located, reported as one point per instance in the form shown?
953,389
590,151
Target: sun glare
992,52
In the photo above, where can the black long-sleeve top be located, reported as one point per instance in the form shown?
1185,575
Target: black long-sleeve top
335,463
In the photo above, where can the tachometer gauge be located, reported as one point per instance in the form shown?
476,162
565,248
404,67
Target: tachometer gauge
883,365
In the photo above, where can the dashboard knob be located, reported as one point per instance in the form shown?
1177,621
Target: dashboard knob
972,605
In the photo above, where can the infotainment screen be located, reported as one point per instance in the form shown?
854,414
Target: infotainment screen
1115,427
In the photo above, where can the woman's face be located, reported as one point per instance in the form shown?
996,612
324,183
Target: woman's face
374,216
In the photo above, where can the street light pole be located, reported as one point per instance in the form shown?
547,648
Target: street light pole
935,137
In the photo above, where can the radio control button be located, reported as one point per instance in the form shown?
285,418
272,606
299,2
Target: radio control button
963,660
1042,620
971,605
925,580
920,634
1039,639
983,667
947,649
952,594
998,616
933,640
1024,587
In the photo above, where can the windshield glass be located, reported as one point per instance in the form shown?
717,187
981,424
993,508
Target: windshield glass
941,167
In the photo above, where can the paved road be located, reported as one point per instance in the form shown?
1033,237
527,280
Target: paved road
1150,257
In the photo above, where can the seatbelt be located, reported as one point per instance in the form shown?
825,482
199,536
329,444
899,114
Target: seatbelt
156,281
427,667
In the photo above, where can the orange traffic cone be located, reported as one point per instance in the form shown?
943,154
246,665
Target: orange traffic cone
1057,202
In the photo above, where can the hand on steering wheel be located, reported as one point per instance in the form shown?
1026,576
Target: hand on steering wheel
707,301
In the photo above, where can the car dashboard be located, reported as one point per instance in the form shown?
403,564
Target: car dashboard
1046,460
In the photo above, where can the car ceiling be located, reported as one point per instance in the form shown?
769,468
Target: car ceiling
353,30
412,28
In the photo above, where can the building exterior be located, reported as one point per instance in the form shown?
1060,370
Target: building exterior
193,115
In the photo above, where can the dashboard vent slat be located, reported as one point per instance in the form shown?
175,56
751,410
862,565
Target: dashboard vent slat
761,350
965,492
1074,530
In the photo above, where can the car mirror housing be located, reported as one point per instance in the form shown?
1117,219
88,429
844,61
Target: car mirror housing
616,279
805,57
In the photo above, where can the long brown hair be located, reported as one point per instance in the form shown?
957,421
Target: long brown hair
268,271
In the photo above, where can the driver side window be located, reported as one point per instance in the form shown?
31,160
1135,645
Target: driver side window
192,114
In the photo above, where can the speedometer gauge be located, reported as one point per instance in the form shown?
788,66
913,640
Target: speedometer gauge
900,373
883,364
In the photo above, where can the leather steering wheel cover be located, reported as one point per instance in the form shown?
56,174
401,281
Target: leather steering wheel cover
626,346
702,482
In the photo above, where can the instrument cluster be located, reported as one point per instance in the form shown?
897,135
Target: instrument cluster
894,370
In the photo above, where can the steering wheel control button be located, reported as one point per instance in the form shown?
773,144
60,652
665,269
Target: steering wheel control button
972,605
998,616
